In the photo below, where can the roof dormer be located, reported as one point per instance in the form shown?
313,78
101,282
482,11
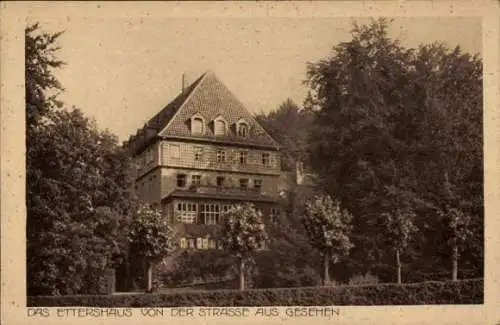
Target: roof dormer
242,128
220,126
197,124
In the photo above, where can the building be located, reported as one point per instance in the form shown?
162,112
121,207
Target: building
202,153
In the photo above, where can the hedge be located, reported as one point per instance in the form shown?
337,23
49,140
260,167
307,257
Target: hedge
458,292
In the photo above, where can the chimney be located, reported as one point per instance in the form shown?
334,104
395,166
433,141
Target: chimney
183,83
299,172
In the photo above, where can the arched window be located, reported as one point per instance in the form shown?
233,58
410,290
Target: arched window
243,129
197,125
219,127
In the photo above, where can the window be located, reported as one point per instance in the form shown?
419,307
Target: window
198,153
257,184
195,179
197,125
265,159
175,151
212,244
243,157
183,243
219,127
220,245
220,181
191,243
187,212
205,243
243,183
243,129
221,155
210,213
199,243
181,180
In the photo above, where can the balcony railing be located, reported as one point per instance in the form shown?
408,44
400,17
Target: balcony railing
211,189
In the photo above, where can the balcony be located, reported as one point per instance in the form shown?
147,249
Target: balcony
211,189
222,193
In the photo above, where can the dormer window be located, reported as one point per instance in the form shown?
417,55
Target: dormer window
242,128
220,126
197,124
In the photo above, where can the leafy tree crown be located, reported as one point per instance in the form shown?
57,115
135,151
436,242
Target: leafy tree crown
243,229
150,236
328,226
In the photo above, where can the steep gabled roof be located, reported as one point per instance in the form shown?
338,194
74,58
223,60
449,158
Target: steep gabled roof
209,97
160,120
150,130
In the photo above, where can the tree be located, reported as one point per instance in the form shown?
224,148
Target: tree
151,239
78,204
450,168
398,229
243,234
79,184
40,60
459,232
390,116
289,125
328,227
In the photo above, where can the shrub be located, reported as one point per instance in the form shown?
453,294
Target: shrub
359,279
451,292
286,265
191,266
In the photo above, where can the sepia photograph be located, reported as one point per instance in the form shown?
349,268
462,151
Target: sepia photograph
249,161
254,162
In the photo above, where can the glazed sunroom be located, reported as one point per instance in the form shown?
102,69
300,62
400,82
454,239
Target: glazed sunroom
205,205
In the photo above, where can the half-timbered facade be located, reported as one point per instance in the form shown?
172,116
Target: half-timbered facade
199,155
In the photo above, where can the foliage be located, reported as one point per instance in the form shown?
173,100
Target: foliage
188,266
426,293
289,125
150,237
78,184
328,226
284,264
40,60
243,234
410,120
459,224
78,203
398,228
360,279
243,230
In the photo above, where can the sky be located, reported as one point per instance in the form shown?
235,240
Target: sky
123,70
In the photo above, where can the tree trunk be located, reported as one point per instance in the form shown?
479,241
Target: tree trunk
326,266
398,266
242,274
454,272
128,277
149,277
